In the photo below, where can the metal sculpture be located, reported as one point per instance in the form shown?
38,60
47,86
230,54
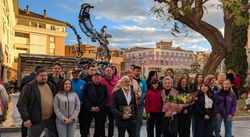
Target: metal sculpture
103,56
103,53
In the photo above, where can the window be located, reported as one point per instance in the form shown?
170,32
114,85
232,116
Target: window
150,57
23,22
139,54
157,57
41,25
52,28
144,54
162,58
23,35
34,24
167,56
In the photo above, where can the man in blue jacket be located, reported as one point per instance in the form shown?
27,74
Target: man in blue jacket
77,83
77,87
143,85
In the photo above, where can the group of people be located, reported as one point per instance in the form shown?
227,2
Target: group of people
55,104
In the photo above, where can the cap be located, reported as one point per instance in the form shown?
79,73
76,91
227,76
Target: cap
76,70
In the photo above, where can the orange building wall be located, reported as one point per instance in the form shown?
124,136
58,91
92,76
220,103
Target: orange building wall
60,46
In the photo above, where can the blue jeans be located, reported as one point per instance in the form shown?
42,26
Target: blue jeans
65,130
139,120
228,127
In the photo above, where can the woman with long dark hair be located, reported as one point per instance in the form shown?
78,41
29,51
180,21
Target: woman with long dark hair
195,87
151,75
204,112
184,116
67,108
199,78
153,107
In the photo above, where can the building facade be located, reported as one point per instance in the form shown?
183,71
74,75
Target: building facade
23,31
159,58
7,34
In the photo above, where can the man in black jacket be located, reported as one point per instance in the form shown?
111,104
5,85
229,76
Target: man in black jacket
91,70
24,81
95,96
56,78
35,105
124,108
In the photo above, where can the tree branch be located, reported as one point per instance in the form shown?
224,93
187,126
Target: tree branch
212,34
205,1
198,9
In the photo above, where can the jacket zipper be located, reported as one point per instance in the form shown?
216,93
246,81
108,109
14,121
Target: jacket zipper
68,104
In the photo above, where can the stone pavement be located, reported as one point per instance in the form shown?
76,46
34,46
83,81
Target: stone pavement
240,129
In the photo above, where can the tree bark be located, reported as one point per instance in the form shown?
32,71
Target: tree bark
213,62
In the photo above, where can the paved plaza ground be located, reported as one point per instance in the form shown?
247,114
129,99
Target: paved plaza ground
240,129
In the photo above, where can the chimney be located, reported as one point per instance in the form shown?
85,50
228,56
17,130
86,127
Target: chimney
44,13
27,9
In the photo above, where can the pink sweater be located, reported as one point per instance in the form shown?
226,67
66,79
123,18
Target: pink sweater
110,85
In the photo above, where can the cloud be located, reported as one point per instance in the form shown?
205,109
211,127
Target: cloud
136,28
130,23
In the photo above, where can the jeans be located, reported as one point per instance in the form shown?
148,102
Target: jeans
66,130
36,129
139,119
228,127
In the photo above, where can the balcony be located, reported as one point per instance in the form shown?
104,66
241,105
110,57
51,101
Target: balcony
21,40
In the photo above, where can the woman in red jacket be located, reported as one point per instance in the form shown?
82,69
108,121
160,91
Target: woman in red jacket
153,106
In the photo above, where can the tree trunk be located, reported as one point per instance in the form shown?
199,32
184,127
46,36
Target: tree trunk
213,62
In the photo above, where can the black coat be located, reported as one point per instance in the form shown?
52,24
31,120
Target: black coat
93,98
118,101
29,102
199,107
27,79
58,84
87,78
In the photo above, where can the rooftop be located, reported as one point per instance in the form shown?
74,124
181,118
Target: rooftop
26,12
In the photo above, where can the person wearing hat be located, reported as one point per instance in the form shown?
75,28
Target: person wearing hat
77,83
77,87
95,97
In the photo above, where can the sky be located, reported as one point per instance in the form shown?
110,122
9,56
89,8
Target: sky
130,22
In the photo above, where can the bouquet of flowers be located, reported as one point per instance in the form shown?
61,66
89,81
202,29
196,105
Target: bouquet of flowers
177,102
